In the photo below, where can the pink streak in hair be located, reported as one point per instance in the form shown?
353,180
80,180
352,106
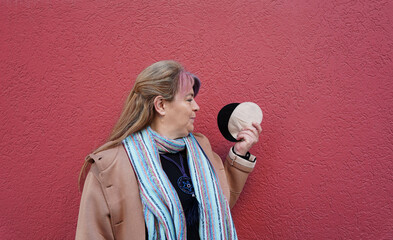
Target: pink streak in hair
186,81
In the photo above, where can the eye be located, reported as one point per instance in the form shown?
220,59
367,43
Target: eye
190,100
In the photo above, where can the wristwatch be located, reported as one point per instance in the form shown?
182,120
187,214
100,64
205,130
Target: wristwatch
247,156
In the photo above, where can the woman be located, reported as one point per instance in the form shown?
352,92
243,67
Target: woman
155,179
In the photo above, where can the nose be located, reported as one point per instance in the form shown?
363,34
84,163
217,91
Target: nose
195,106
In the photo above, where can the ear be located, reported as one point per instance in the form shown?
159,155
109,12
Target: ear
159,105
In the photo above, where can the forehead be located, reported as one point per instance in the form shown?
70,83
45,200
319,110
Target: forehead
183,93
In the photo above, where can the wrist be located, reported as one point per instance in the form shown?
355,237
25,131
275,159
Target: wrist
245,156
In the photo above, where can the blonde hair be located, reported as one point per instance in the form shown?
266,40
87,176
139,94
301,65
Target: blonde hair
164,78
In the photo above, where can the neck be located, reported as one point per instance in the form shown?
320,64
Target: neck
163,130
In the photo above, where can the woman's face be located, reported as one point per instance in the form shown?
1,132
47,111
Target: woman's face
180,114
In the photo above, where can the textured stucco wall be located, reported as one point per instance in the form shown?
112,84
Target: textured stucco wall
321,70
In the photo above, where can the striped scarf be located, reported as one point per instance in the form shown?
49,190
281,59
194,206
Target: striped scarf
164,216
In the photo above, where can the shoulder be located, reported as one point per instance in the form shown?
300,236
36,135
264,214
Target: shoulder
106,158
203,141
200,137
207,148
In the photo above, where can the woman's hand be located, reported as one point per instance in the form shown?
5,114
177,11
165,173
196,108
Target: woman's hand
248,137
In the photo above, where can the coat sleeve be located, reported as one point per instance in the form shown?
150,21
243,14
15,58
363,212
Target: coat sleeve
235,169
94,218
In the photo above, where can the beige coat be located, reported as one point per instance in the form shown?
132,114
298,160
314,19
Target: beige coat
111,207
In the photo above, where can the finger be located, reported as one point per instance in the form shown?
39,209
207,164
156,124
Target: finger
253,130
248,136
257,126
245,144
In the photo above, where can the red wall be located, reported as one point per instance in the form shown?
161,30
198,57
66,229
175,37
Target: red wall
321,71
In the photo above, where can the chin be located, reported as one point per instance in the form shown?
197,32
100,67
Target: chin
187,131
190,129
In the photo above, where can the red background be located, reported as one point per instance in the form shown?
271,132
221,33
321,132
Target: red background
321,71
